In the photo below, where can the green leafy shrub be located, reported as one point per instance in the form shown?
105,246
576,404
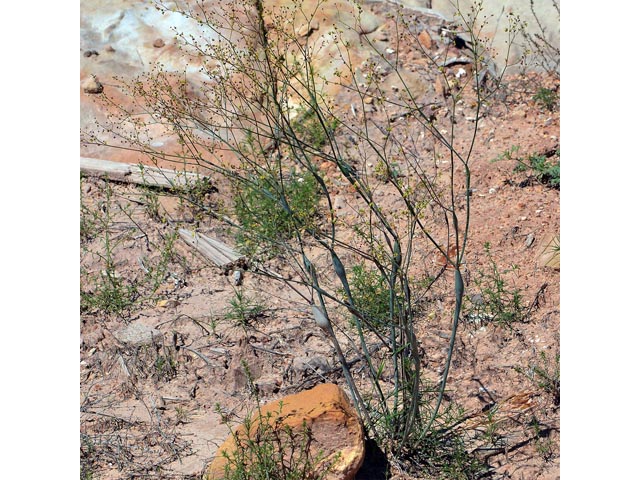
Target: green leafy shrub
546,97
544,169
105,290
385,171
244,309
371,295
313,132
545,374
496,302
271,209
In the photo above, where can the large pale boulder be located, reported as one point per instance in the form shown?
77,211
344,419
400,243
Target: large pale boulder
336,430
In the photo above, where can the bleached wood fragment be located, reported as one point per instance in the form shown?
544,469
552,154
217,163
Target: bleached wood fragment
217,252
138,174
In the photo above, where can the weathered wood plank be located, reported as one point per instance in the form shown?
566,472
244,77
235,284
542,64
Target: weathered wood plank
217,252
138,174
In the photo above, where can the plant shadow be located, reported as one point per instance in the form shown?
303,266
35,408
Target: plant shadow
375,465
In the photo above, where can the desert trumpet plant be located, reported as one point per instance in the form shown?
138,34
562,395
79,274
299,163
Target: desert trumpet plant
268,103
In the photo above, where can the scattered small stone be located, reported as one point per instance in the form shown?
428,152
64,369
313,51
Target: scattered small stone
370,107
92,85
477,299
308,28
304,366
367,23
109,49
237,277
188,217
158,43
269,384
390,51
478,318
110,274
90,53
492,191
167,303
137,334
529,241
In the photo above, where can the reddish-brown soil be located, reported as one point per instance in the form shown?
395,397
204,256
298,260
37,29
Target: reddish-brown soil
158,409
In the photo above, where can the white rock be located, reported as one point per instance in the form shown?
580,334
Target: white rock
320,318
136,334
92,85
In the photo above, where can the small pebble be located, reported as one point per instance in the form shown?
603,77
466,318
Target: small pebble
92,85
492,190
477,299
158,43
530,239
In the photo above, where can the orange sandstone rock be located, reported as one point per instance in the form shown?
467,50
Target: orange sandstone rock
333,422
